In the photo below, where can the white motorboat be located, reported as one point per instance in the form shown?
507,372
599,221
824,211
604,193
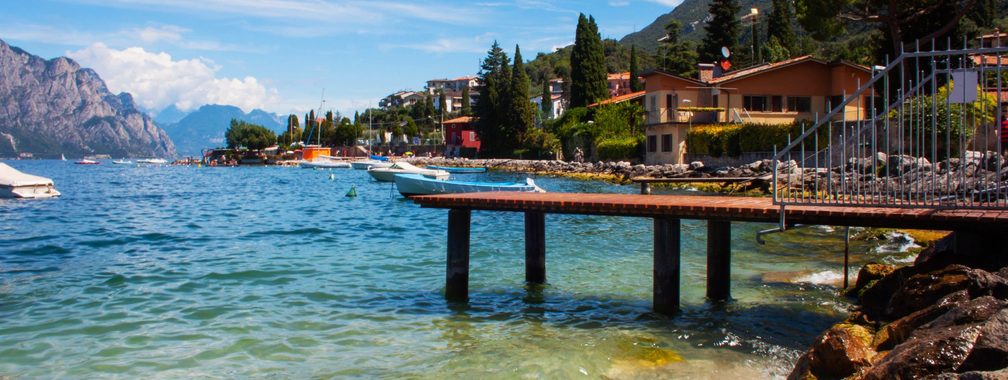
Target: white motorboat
152,161
324,164
122,162
368,164
401,167
15,184
415,184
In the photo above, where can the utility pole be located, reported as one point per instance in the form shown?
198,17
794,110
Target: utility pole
753,12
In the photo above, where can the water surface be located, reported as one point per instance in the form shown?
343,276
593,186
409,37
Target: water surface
169,272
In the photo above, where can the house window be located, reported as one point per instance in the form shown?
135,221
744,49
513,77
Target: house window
669,102
777,103
834,101
652,144
714,99
654,103
799,104
666,143
755,103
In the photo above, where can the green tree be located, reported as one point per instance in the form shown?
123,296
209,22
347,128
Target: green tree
247,135
589,82
635,84
495,76
520,114
722,31
466,106
411,129
779,26
675,56
546,104
900,21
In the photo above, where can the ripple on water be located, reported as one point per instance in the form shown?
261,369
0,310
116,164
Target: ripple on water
271,272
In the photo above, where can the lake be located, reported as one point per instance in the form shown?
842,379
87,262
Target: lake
269,272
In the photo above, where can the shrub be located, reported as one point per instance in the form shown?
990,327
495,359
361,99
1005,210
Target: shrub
618,148
734,139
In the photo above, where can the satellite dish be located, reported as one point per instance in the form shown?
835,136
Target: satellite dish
724,52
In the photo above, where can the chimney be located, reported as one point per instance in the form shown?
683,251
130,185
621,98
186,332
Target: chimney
705,72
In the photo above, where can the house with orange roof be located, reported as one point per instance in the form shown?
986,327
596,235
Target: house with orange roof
453,88
776,93
461,137
619,84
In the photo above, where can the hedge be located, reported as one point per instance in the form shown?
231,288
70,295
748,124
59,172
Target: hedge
734,139
618,148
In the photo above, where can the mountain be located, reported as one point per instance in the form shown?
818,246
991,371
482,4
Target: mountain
692,15
205,127
169,115
53,107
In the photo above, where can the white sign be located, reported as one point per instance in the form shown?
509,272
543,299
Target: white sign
964,87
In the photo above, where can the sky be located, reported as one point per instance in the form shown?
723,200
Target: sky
288,56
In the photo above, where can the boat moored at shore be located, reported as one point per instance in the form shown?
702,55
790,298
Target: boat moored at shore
416,184
16,184
401,167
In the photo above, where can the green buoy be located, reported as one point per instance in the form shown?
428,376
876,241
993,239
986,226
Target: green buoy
353,191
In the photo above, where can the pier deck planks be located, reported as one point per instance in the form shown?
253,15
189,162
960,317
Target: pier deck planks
743,209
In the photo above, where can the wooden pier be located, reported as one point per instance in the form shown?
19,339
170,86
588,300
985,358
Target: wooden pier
667,211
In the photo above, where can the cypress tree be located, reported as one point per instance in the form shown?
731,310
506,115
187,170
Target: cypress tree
521,116
589,82
442,103
635,84
466,107
547,99
679,58
722,30
779,24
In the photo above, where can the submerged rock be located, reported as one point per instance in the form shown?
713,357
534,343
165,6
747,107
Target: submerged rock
840,352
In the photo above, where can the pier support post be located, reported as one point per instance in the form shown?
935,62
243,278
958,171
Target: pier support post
457,278
666,265
718,260
535,247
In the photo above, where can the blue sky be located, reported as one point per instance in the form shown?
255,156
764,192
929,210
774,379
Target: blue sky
279,55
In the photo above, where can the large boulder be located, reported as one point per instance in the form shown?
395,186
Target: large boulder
991,349
922,290
843,350
898,331
868,274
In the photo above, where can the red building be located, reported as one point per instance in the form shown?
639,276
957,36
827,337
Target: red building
460,136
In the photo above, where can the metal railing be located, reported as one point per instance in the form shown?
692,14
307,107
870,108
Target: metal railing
928,137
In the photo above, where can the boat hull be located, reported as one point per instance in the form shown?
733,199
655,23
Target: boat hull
365,165
325,165
389,174
29,192
412,184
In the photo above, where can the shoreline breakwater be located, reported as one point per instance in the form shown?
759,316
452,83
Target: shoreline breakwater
943,317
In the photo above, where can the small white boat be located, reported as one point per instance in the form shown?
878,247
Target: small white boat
87,162
122,162
415,184
368,164
152,161
324,164
388,174
15,184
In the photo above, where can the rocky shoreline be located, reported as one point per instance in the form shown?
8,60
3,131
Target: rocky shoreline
944,317
615,171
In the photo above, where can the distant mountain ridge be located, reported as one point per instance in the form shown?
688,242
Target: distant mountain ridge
692,14
53,107
205,127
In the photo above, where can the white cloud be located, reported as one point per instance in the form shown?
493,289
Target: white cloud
156,80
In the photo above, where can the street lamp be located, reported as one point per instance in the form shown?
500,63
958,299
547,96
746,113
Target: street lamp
753,12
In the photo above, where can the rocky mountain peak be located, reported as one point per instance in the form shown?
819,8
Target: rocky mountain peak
53,107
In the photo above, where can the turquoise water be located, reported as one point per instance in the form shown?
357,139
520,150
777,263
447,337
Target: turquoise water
170,272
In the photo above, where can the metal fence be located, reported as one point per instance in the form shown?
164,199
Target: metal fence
923,132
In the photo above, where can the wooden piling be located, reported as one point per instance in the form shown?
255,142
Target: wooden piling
457,278
535,247
718,260
666,265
